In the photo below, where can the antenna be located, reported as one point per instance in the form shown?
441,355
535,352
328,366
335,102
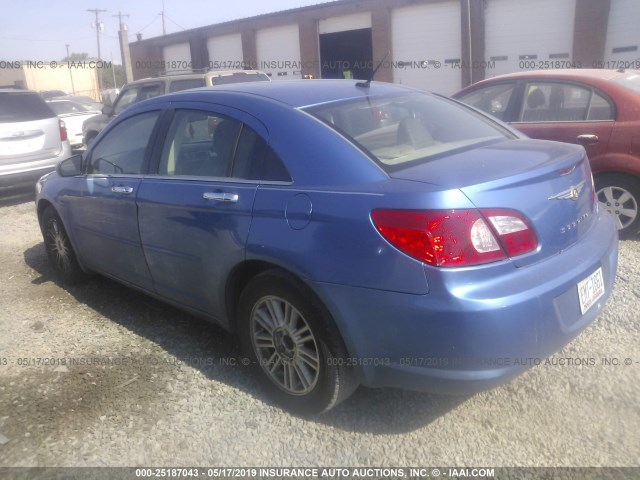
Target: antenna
367,83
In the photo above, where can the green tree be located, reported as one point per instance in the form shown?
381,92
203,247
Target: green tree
107,76
76,57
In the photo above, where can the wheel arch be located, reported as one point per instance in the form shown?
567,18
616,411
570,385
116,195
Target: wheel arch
41,207
616,164
243,273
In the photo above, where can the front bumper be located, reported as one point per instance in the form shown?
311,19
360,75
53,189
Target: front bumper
473,331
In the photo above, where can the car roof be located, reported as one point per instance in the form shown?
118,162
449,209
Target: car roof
301,93
16,90
571,73
191,75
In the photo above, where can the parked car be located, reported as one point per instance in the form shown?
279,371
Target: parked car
599,109
32,138
48,94
74,115
434,249
84,100
139,90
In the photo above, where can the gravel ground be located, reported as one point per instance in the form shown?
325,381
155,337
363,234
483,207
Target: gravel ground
180,401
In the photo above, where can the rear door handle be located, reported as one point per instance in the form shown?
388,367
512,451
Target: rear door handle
221,197
122,189
587,139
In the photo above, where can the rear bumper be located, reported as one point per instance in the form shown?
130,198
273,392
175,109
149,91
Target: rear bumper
467,336
30,171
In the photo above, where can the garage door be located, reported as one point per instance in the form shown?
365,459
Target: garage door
520,34
426,46
278,51
623,34
345,22
345,46
177,57
225,52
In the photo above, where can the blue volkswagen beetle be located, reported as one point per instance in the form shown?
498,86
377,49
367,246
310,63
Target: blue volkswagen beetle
348,233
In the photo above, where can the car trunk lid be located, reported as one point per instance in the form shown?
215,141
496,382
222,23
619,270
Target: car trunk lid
26,141
549,182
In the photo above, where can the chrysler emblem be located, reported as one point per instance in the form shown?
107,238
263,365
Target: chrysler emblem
572,193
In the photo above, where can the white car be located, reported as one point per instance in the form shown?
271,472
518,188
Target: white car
73,114
32,138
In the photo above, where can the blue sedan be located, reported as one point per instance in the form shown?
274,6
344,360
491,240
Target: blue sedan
348,233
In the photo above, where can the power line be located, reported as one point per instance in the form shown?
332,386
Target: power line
172,21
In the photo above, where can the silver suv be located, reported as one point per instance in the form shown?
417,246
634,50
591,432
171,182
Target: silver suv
139,90
32,138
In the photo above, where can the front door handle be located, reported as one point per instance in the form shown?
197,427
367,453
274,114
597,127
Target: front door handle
221,197
122,189
587,139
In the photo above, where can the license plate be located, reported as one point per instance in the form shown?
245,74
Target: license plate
590,290
17,147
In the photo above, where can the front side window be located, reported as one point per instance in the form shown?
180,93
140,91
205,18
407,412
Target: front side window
205,144
127,97
122,150
408,128
493,99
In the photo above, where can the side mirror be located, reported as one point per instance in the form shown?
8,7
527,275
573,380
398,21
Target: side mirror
70,167
107,110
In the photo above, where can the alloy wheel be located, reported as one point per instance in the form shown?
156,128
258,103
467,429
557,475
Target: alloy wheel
620,203
285,345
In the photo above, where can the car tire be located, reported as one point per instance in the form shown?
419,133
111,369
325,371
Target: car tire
620,195
59,250
293,344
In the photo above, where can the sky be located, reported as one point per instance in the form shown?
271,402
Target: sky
34,30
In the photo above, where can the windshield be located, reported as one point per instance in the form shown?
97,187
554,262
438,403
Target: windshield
407,128
630,82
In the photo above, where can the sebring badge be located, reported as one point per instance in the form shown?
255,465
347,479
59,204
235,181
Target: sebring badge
570,194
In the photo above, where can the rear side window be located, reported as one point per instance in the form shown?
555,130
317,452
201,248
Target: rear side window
239,77
178,85
23,107
563,102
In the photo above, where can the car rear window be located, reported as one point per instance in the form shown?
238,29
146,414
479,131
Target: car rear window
396,131
63,107
23,107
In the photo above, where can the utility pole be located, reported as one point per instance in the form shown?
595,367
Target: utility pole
164,25
125,54
69,67
97,13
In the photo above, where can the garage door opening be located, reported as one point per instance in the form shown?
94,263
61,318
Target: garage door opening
344,54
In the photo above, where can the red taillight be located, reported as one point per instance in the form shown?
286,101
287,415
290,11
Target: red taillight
448,238
63,130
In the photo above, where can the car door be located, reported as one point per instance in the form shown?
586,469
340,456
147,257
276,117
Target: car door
566,112
105,221
195,214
